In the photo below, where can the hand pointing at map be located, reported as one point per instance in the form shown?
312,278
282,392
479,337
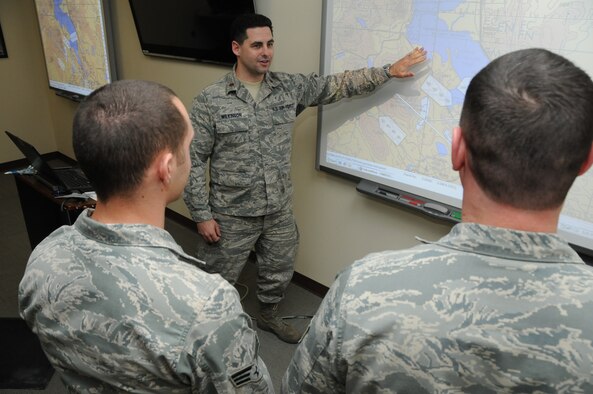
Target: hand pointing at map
401,68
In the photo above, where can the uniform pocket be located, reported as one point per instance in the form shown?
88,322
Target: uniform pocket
242,179
283,116
233,132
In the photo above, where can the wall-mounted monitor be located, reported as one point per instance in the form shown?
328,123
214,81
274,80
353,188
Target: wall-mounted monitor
3,51
76,38
195,30
398,139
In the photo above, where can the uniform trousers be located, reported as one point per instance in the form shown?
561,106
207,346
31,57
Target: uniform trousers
273,237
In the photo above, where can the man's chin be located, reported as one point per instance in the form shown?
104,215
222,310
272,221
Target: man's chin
264,67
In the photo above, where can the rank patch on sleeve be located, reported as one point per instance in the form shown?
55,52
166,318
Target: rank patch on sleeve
249,374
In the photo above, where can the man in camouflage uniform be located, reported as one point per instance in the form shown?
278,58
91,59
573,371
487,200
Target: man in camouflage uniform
116,303
244,127
501,304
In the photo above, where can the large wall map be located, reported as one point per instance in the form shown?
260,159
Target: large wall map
401,135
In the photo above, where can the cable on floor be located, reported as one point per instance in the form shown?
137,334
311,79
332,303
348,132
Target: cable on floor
296,317
246,290
289,317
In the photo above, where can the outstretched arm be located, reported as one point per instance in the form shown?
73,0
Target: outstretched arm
332,88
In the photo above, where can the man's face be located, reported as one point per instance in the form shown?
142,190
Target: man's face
254,56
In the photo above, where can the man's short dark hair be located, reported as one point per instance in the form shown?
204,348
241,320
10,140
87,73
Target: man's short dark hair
120,128
528,123
243,22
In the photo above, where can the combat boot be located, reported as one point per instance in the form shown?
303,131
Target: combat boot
270,321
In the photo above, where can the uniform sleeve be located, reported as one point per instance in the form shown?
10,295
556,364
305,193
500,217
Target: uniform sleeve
196,193
223,349
317,365
329,89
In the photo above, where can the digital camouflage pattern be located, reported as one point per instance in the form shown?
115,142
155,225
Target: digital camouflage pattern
123,308
249,142
277,250
483,310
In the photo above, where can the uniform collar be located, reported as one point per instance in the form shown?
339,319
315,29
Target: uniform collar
233,83
137,235
509,244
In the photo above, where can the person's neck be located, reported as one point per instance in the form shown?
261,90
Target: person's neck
132,210
477,207
249,83
244,76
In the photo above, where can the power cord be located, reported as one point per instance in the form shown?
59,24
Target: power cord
296,317
244,286
246,289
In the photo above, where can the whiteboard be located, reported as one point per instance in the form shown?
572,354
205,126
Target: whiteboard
400,136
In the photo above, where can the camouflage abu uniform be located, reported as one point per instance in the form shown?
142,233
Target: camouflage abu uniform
128,310
484,309
249,145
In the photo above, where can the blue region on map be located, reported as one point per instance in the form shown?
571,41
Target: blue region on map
457,96
65,21
428,30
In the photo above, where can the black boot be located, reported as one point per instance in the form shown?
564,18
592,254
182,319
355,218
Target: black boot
270,321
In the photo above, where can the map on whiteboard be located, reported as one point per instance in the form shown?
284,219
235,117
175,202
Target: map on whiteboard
74,44
404,132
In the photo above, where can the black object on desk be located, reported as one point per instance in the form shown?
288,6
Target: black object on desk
62,180
43,212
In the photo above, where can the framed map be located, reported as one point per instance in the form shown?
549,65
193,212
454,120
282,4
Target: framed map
3,52
76,40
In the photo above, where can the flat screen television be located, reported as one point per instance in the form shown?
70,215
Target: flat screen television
195,30
77,44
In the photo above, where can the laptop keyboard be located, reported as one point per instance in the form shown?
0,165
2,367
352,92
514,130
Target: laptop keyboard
73,179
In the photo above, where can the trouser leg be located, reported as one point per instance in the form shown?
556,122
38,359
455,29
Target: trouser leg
228,256
276,251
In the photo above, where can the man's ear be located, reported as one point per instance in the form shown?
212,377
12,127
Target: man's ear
235,47
458,149
588,162
165,164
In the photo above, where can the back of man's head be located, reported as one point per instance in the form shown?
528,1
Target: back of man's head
120,128
527,121
238,30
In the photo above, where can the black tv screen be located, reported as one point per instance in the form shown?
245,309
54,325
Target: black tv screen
196,30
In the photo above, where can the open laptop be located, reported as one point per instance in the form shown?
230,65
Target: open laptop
60,180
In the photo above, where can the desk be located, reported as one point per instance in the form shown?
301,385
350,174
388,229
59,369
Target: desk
42,211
